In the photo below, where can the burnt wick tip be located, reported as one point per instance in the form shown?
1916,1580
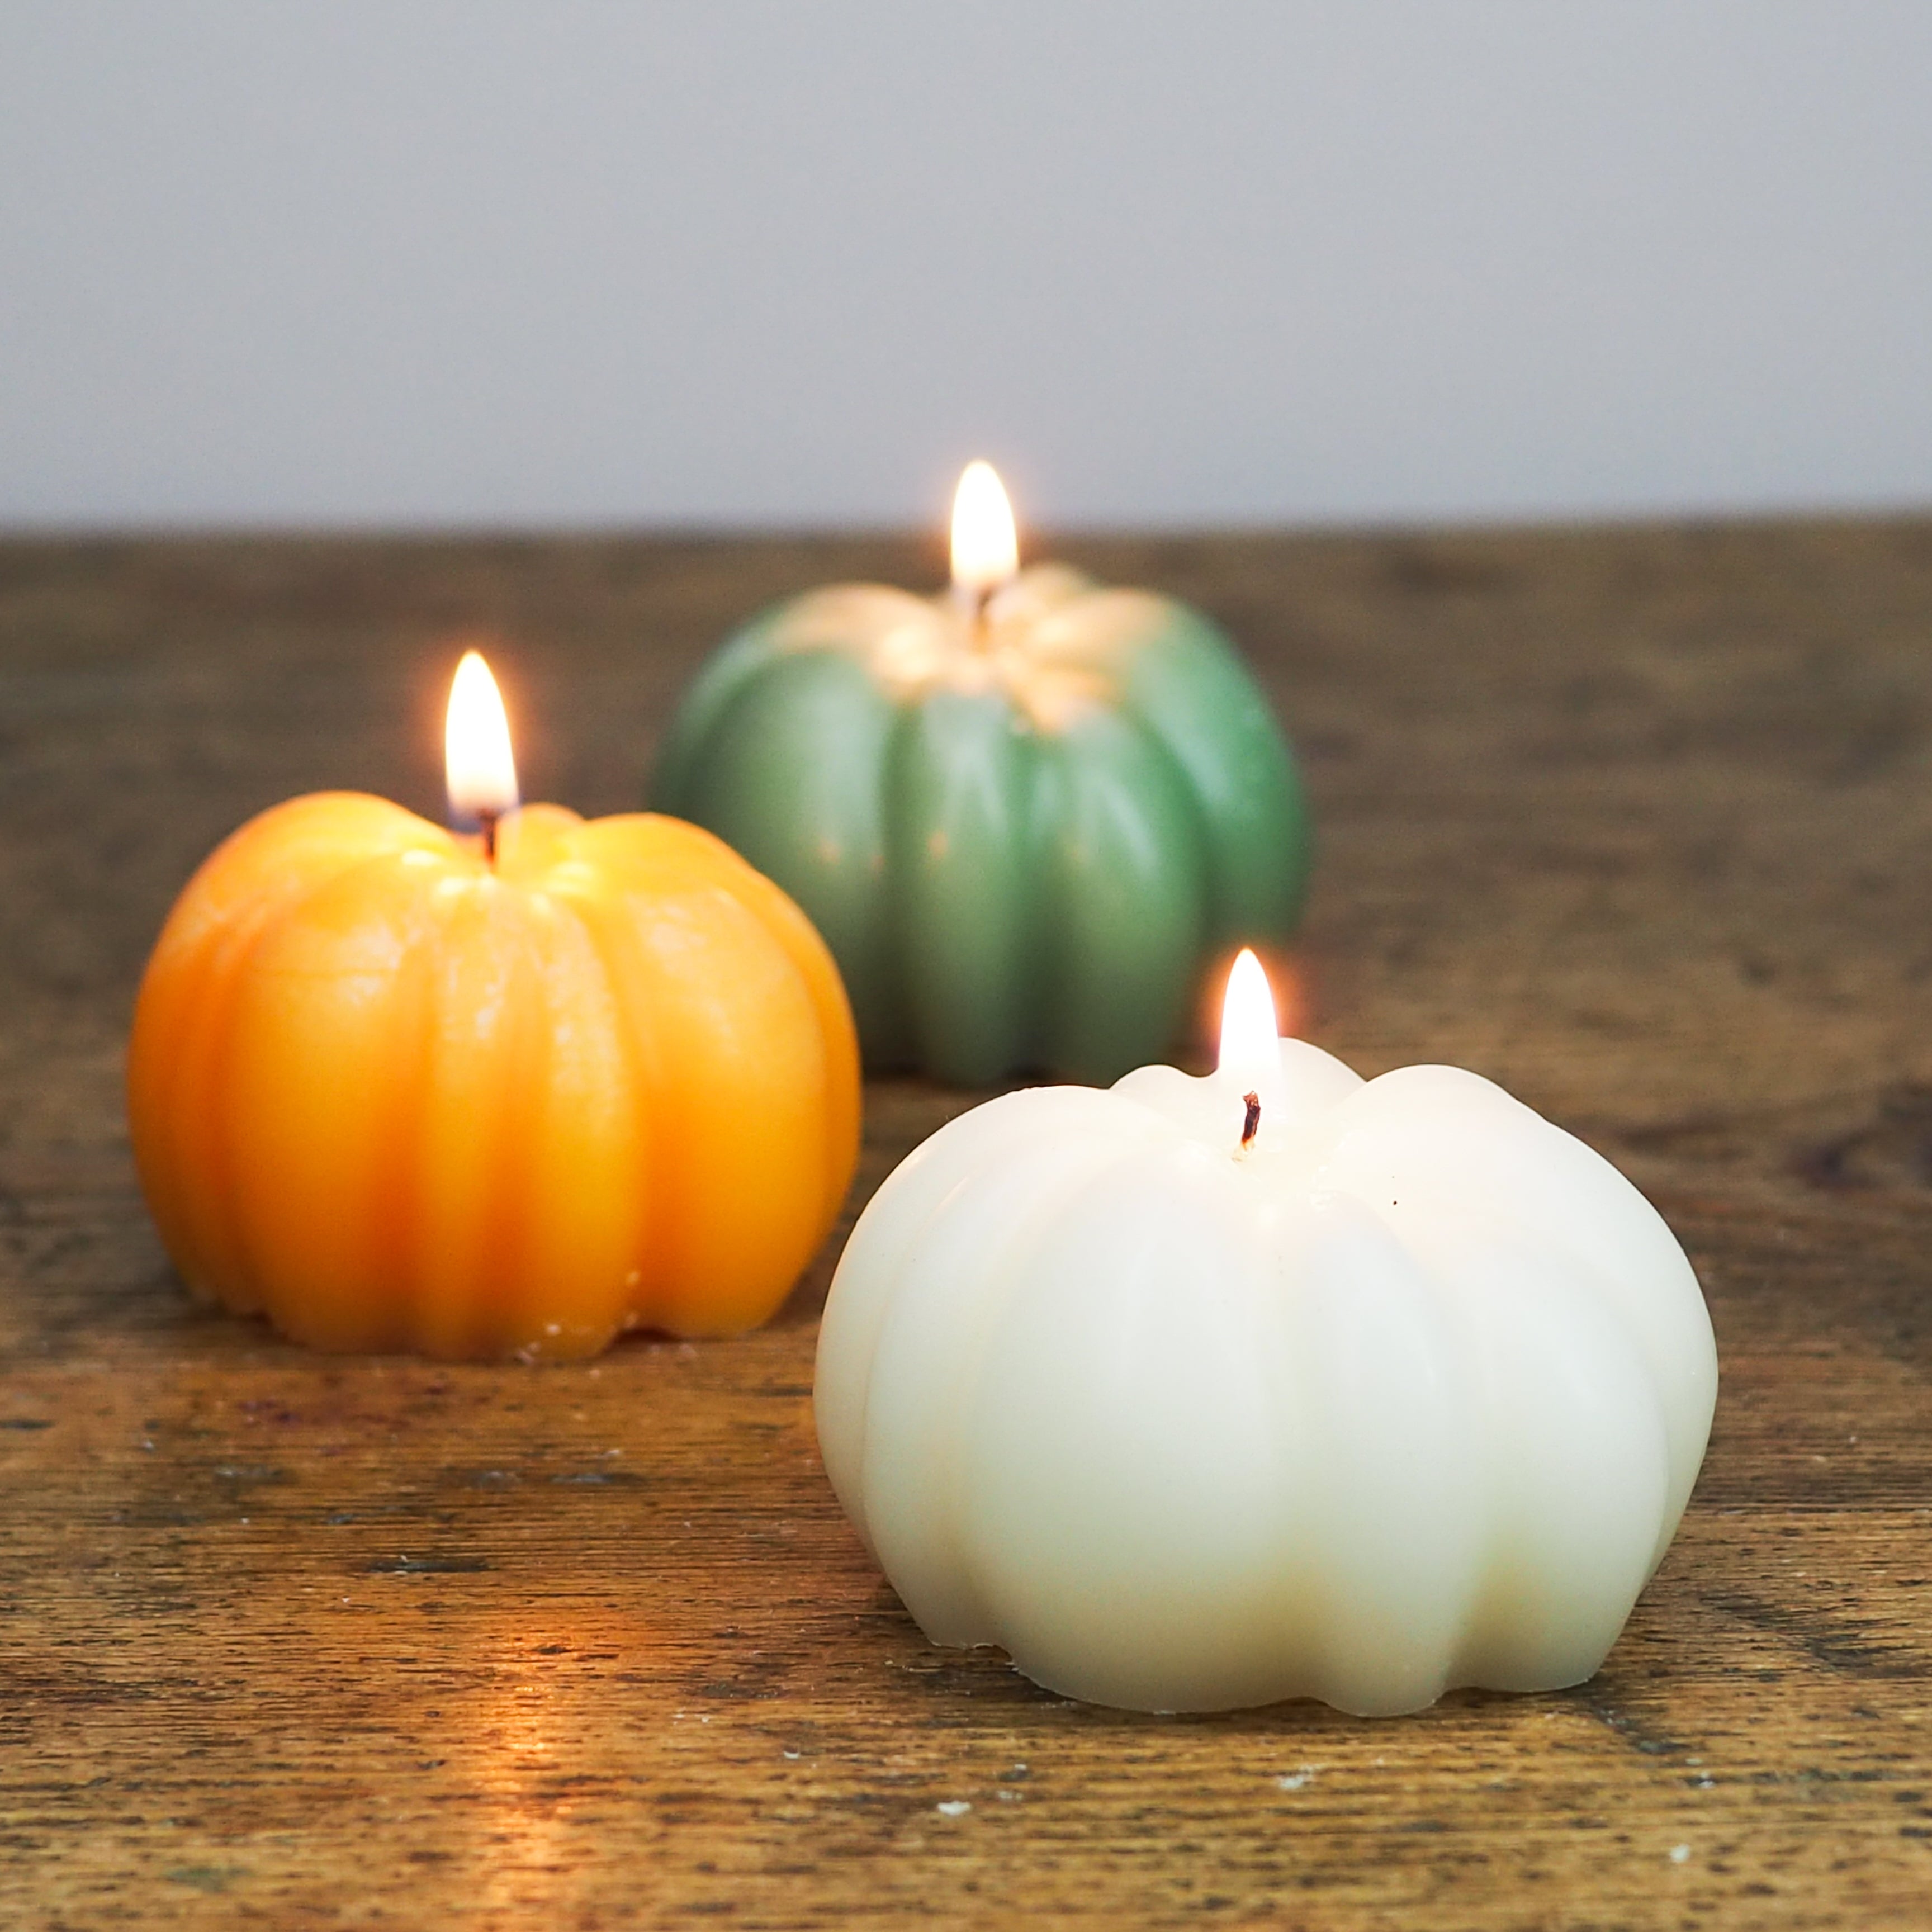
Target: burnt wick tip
488,821
1252,1125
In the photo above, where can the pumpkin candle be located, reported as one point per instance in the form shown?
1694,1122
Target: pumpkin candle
1200,1393
398,1087
1026,814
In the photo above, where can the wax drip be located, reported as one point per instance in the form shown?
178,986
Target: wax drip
1252,1125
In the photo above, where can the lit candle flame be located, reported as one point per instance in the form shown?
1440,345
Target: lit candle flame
985,547
1250,1041
480,772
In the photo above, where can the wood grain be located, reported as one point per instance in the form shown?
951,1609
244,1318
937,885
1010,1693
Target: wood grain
1639,822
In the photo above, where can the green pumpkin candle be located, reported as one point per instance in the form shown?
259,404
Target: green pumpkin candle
1026,816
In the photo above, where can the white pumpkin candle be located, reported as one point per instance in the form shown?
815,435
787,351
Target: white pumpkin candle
1407,1392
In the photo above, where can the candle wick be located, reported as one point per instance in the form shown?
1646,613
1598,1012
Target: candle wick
488,819
1252,1125
972,599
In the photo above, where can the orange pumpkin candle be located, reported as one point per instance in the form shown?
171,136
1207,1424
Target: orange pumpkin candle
402,1088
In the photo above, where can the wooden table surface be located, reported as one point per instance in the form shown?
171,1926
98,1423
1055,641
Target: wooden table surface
1638,822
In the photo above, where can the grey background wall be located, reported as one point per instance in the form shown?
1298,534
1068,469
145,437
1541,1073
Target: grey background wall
535,261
